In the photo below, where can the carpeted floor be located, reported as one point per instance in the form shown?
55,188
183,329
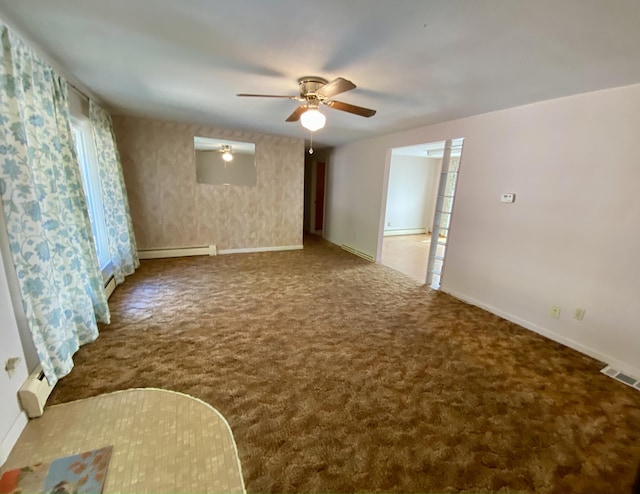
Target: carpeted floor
339,375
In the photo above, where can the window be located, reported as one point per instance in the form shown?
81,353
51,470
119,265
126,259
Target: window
85,149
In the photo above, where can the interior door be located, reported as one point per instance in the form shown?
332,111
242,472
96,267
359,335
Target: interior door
442,216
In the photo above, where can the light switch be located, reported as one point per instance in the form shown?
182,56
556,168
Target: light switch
507,198
10,366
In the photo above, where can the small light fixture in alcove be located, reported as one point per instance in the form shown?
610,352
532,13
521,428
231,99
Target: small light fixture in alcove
227,155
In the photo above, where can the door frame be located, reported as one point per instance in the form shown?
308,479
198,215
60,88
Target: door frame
385,190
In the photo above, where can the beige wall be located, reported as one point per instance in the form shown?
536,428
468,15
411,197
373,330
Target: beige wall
169,209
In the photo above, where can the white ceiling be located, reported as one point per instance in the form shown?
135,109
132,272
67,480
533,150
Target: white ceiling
210,144
415,61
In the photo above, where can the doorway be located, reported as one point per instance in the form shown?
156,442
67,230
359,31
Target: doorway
319,201
315,171
420,191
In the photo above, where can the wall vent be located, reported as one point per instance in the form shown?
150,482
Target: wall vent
622,377
357,252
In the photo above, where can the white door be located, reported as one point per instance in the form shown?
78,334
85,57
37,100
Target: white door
444,209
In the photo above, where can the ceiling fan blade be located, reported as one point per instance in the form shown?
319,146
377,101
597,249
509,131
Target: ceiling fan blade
334,87
266,96
295,116
357,110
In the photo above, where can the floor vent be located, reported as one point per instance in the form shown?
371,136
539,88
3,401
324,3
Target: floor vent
622,377
357,252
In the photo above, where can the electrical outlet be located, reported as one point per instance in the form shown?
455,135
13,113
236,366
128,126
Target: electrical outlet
578,314
554,312
508,198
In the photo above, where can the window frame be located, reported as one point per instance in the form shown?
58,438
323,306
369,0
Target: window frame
82,134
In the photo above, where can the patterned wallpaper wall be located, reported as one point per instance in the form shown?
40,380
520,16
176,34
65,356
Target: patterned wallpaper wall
169,209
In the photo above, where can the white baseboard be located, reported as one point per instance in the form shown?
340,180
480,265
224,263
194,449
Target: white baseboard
204,250
249,250
410,231
596,354
12,436
358,253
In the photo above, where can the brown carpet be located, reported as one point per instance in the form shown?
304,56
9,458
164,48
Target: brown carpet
339,375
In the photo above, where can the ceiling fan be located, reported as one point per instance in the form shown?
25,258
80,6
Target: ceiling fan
315,91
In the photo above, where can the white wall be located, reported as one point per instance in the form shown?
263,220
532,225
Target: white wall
571,239
12,419
410,194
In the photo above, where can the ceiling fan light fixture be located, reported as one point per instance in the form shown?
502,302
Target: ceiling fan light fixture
312,119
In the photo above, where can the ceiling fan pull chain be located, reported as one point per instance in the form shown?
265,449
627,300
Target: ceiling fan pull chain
311,142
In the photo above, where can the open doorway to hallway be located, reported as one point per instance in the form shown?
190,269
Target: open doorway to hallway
419,204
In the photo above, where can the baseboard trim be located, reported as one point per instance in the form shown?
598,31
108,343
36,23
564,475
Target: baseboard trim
250,250
204,250
596,354
12,436
410,231
357,252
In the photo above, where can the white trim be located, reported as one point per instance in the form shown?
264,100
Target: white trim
12,436
205,250
410,231
357,252
603,357
249,250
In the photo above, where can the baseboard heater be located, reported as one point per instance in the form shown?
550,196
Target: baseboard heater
357,252
203,250
410,231
34,393
110,286
622,377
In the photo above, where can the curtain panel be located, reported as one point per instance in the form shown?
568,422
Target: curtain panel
45,209
120,237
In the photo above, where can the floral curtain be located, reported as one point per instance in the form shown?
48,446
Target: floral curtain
122,243
45,210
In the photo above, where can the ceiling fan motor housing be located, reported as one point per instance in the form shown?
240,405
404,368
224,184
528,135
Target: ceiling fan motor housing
309,86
